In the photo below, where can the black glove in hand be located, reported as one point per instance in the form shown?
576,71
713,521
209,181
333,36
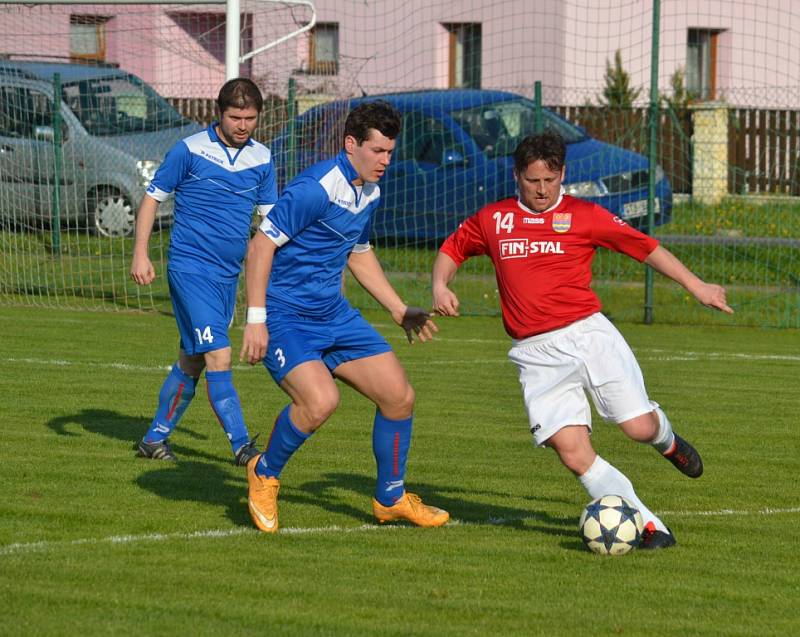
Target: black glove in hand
414,320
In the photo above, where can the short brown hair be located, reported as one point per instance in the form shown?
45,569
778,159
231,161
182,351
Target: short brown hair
548,146
378,114
239,92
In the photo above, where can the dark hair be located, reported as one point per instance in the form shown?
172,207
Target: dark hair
379,115
239,93
548,146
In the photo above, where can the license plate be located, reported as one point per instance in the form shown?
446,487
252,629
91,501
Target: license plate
636,209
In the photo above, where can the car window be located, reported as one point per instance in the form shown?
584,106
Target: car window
119,104
13,113
425,140
498,127
22,110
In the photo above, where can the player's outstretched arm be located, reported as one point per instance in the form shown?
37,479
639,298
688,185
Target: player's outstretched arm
368,272
260,252
142,270
709,294
445,301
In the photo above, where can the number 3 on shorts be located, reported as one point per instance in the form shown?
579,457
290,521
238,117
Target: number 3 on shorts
281,358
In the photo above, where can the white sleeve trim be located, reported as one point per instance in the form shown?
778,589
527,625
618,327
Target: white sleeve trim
273,232
362,247
264,208
157,194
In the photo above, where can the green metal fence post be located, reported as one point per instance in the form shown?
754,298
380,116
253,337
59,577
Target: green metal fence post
652,154
55,220
291,152
537,99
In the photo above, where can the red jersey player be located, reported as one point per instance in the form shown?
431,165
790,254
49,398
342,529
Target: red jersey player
542,245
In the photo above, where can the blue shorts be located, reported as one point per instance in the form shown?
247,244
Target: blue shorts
203,311
336,339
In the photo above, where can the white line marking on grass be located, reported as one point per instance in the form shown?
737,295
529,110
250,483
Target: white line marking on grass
22,547
729,512
48,318
44,546
47,546
643,354
661,354
165,368
61,363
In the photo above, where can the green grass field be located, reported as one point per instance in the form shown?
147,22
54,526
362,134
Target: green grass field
94,541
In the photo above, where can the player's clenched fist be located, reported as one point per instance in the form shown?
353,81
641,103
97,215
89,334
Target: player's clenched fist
142,271
445,303
254,345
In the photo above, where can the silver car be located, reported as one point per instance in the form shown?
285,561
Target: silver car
115,131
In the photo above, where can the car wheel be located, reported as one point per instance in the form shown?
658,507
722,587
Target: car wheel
111,214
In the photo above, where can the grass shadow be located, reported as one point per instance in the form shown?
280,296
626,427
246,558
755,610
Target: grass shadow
202,482
327,493
116,426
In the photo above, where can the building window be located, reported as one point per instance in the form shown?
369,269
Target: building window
701,63
323,53
464,55
87,38
208,30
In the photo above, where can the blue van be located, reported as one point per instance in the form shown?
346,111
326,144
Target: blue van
453,156
115,132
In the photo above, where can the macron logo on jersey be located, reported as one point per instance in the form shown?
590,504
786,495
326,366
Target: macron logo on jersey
521,248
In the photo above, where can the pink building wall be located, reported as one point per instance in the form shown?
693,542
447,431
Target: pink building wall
757,63
142,39
403,45
400,45
394,45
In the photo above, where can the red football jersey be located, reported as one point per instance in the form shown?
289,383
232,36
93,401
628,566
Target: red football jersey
543,261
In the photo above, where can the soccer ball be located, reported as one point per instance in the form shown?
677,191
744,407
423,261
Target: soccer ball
611,525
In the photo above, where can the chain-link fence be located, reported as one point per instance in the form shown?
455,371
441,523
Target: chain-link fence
132,82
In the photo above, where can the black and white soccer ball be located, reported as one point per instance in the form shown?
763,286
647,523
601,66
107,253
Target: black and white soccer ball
611,525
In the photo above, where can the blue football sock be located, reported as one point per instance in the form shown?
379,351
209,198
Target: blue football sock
390,442
225,403
284,440
176,393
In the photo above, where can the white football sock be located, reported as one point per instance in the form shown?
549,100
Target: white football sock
604,479
664,438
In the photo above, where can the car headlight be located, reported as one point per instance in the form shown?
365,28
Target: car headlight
147,169
584,189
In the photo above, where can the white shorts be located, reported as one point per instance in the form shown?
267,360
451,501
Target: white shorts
557,369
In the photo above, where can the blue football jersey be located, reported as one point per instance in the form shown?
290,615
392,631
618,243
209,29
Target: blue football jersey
318,221
216,190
